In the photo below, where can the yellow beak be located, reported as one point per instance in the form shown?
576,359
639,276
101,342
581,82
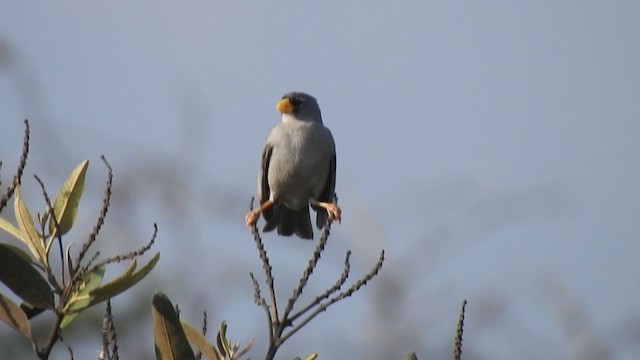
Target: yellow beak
284,106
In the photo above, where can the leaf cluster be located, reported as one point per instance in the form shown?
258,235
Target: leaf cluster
78,284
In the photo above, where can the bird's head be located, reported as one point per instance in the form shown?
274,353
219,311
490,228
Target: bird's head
299,106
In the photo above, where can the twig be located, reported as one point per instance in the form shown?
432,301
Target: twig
134,254
109,336
355,287
70,352
53,337
457,350
21,165
96,229
266,266
311,265
343,278
52,217
204,332
204,322
260,301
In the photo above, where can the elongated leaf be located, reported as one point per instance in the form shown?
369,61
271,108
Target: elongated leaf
19,252
201,343
67,256
23,279
11,229
240,352
65,207
170,340
122,282
221,339
411,356
30,310
11,314
28,230
81,299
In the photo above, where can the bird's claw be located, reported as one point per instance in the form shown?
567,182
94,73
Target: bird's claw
251,218
335,213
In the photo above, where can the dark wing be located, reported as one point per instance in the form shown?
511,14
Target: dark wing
263,179
327,194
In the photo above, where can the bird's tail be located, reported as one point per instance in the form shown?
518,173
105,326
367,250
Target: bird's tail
289,221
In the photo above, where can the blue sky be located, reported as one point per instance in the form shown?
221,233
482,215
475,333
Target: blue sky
489,147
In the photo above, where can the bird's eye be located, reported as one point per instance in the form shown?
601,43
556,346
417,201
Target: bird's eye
296,103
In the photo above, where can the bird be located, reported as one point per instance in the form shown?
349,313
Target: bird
297,170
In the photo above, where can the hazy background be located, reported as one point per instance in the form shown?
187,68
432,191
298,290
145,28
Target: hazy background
490,147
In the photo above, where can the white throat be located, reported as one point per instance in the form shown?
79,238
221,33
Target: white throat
287,118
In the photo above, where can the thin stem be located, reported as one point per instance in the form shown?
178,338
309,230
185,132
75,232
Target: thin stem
343,278
457,349
52,217
96,229
266,266
53,337
21,165
355,287
311,265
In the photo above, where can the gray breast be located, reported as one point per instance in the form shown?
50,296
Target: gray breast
300,162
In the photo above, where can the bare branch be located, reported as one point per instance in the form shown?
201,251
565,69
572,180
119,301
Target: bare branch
134,254
336,287
53,337
266,266
355,287
109,336
457,350
21,165
260,301
311,265
204,322
103,213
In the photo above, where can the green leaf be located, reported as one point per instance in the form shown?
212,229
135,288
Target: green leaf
411,356
228,349
11,229
65,207
67,255
201,343
170,340
122,282
240,352
80,298
28,231
19,252
221,339
311,356
23,279
11,314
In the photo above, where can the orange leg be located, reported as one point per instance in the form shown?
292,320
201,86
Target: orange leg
253,216
334,211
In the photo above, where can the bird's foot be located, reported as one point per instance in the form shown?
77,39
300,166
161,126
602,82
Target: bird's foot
252,218
334,211
253,215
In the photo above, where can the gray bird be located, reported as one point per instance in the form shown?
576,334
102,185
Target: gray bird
298,169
